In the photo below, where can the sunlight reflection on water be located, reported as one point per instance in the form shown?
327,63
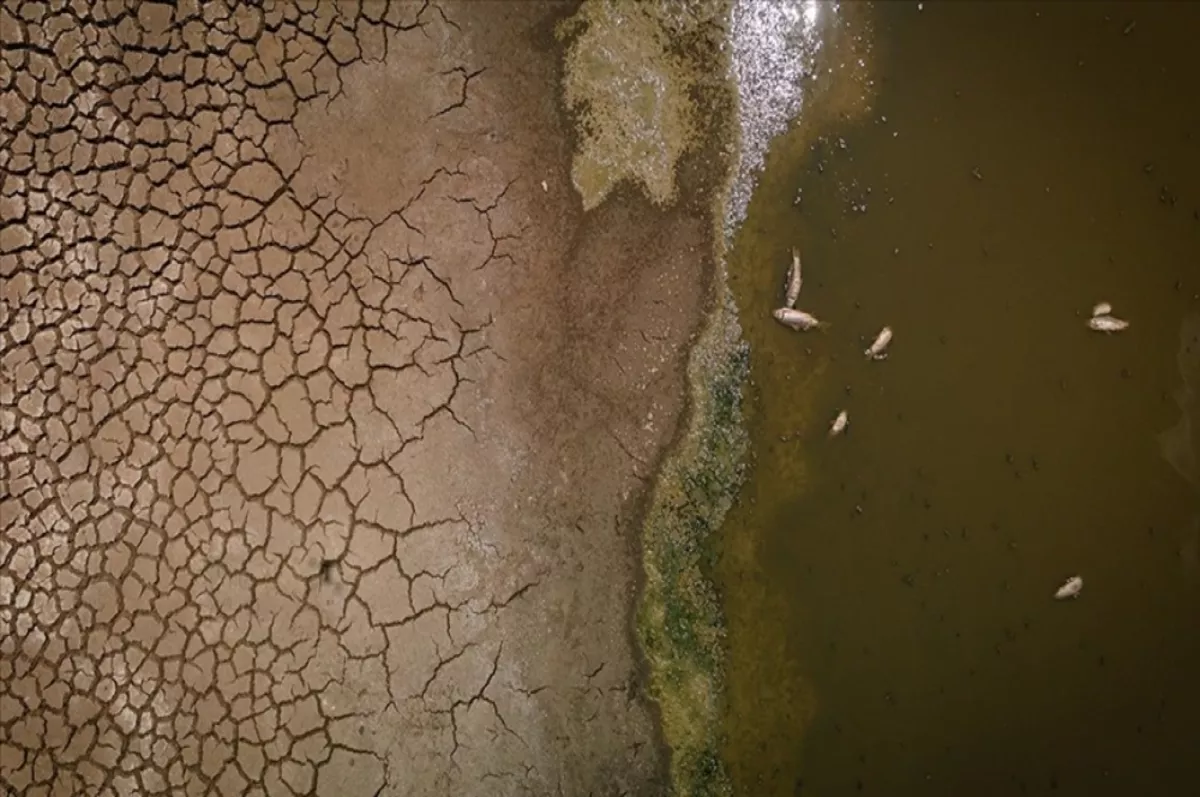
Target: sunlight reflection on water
775,46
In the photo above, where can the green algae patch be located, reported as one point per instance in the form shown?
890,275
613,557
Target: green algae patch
679,618
646,85
629,80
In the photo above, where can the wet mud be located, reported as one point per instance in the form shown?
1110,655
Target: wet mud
890,592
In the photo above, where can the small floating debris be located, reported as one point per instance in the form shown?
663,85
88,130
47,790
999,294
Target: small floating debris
796,319
793,280
1070,588
878,349
839,424
1107,323
1101,308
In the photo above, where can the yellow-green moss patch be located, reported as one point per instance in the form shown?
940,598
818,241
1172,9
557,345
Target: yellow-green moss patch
628,79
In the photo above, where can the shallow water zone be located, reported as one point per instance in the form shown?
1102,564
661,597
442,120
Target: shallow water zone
890,593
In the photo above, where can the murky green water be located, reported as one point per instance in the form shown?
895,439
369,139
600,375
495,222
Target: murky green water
889,593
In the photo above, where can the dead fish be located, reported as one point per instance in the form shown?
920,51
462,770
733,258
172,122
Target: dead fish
839,424
793,279
1070,588
1107,323
1101,308
796,319
878,349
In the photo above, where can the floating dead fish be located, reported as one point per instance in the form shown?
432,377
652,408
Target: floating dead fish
839,424
1070,588
1107,323
796,319
793,279
878,349
1101,308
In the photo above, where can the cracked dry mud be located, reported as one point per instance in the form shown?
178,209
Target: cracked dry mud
322,425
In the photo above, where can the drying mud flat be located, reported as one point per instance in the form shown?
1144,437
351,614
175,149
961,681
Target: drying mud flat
328,416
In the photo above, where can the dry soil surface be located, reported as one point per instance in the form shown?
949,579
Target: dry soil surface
324,421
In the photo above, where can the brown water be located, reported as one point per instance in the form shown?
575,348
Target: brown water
890,593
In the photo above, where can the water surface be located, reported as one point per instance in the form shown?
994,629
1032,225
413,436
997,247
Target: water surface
889,593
